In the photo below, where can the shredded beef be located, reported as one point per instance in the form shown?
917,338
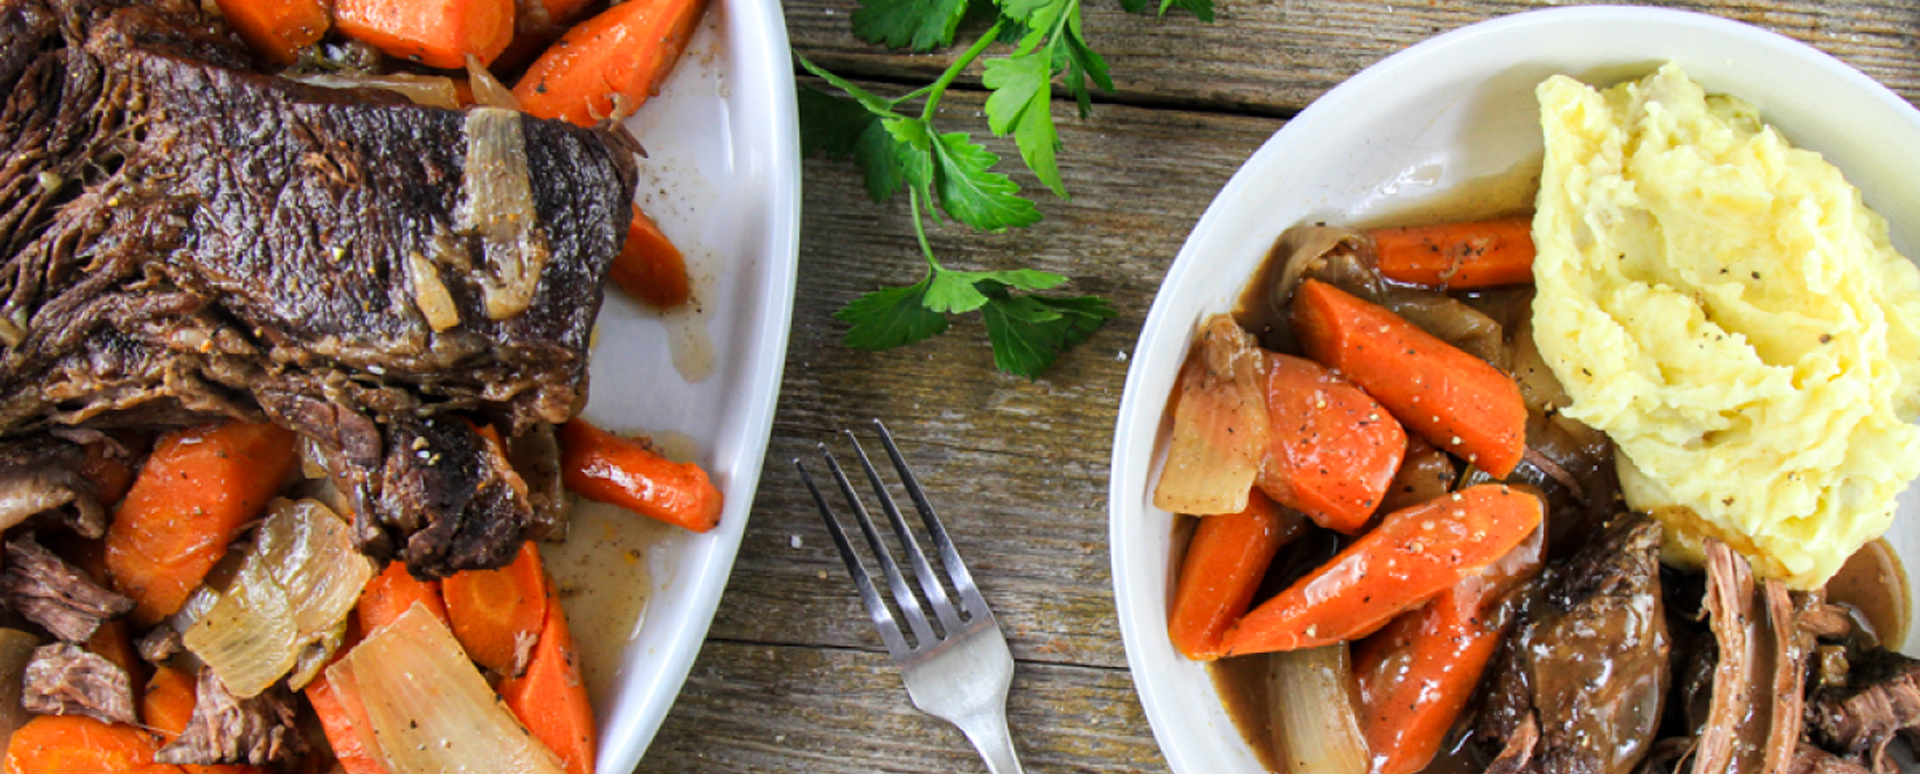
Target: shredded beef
66,679
56,595
228,729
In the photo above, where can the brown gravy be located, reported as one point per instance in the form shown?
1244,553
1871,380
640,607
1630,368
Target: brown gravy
1874,584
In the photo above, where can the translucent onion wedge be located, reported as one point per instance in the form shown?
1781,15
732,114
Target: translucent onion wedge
421,706
496,203
488,90
296,585
1315,726
430,90
1219,424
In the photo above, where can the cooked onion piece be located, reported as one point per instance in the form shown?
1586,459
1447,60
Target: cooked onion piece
497,204
1310,696
426,708
1219,424
296,585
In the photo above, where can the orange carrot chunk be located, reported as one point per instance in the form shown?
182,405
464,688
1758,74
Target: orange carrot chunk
76,744
1456,401
497,614
337,723
167,705
1411,556
1417,674
436,33
1332,450
1225,560
551,699
1475,254
276,30
391,593
649,267
607,66
199,487
605,467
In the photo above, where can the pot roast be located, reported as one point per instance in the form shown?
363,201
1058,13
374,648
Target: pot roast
183,239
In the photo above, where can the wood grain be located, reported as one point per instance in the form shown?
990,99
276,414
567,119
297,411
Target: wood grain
1273,57
845,711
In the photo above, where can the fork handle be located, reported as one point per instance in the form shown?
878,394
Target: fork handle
989,734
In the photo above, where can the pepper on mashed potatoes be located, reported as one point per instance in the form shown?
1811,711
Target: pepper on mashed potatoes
1727,310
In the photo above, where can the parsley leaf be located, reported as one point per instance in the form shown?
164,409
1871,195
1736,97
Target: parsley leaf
878,154
1083,65
891,317
972,192
1021,104
830,124
1202,9
1029,332
948,172
958,292
918,25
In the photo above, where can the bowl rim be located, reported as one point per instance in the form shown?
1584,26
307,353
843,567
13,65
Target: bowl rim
1139,416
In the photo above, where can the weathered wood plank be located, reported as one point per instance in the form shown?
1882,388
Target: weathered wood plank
772,709
1272,58
1018,469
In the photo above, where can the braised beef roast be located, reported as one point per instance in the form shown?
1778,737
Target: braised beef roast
187,239
1578,688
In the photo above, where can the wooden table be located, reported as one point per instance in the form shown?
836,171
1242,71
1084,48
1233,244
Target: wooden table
792,677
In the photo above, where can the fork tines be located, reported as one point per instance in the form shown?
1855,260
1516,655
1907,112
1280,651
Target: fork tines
973,610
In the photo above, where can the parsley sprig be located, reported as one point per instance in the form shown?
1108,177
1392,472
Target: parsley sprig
947,172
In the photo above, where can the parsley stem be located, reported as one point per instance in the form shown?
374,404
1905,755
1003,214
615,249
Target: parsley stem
939,87
920,228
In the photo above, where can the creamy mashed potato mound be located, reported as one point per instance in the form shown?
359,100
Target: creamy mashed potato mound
1730,313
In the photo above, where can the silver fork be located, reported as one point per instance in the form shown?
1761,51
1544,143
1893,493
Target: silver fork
959,673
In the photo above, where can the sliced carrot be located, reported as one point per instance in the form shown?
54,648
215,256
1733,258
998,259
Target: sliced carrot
436,33
551,699
1331,449
338,726
607,66
199,487
605,467
497,614
1411,556
167,705
1417,674
277,30
1225,560
393,591
1474,254
649,267
1456,401
76,744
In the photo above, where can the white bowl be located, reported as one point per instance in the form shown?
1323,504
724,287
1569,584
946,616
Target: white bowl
722,179
1453,109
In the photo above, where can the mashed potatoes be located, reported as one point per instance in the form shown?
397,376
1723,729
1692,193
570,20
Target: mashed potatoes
1726,309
